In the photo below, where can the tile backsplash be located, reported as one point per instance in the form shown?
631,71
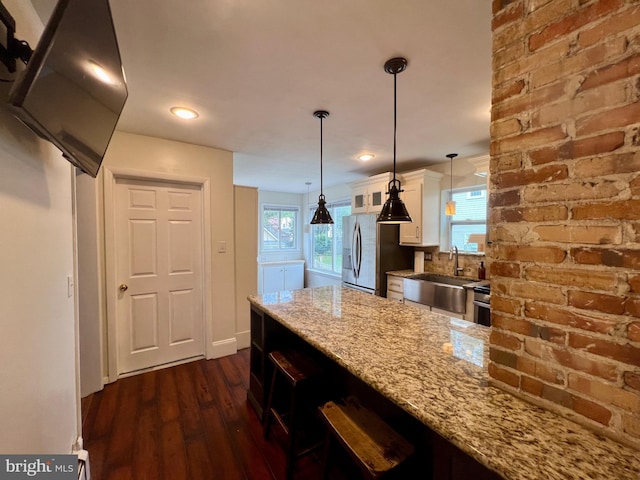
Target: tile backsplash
440,262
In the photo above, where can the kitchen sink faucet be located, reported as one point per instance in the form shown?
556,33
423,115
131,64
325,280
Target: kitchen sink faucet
456,269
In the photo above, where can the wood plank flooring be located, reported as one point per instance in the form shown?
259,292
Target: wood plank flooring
186,422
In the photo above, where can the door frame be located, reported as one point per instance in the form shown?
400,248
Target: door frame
111,176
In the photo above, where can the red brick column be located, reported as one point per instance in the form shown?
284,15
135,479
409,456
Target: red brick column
565,208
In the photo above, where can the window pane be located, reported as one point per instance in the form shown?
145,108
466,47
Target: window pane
326,240
279,227
338,213
270,229
470,205
323,247
470,218
287,229
460,235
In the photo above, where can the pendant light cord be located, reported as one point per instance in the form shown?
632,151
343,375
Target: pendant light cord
394,125
321,156
451,178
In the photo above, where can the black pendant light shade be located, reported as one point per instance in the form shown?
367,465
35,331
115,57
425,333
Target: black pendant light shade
394,210
322,215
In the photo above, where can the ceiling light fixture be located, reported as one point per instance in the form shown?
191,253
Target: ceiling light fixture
184,113
366,157
394,210
321,215
450,208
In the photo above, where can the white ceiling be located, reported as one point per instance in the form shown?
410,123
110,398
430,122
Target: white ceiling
256,70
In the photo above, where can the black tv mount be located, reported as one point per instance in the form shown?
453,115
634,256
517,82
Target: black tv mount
10,47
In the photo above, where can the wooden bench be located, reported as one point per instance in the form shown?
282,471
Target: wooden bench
376,448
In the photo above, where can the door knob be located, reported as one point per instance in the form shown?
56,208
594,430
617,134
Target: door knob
123,287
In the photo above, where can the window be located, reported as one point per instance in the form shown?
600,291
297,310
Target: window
279,228
326,240
467,228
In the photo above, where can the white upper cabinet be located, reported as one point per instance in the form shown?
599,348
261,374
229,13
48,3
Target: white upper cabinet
421,196
368,196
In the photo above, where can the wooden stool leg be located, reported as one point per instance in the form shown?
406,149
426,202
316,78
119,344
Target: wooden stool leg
266,421
326,451
291,441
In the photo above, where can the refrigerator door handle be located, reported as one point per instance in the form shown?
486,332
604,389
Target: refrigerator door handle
359,251
354,246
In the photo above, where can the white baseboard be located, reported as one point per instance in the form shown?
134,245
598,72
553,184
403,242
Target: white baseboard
243,339
84,472
222,348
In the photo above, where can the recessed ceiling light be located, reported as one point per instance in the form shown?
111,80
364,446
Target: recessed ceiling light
184,113
366,156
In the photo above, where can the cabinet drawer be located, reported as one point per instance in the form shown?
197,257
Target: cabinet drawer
395,296
395,284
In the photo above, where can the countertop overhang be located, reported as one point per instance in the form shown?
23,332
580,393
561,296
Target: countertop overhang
435,368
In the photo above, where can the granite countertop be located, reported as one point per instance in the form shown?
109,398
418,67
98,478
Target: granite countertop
435,368
401,273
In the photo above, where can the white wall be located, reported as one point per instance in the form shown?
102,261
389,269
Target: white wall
463,173
155,155
90,296
38,403
246,266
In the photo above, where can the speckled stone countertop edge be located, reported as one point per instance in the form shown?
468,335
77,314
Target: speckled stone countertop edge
381,388
550,455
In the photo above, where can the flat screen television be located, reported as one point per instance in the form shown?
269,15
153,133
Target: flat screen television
73,88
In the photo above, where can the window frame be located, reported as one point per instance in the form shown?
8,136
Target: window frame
296,229
448,223
331,207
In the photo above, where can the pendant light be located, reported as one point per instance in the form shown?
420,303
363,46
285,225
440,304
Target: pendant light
394,210
321,215
450,208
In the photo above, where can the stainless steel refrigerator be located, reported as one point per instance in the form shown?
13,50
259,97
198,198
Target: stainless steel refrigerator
369,251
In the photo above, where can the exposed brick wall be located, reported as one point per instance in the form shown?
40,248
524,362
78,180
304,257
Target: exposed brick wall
565,208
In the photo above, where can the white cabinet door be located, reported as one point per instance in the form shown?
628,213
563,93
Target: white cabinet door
431,210
368,196
282,276
294,276
411,233
272,278
422,197
377,196
359,200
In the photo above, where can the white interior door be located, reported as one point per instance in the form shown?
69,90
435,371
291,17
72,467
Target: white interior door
159,274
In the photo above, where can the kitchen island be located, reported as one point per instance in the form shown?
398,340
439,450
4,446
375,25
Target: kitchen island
434,369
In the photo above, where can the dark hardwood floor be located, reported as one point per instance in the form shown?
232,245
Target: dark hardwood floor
186,422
